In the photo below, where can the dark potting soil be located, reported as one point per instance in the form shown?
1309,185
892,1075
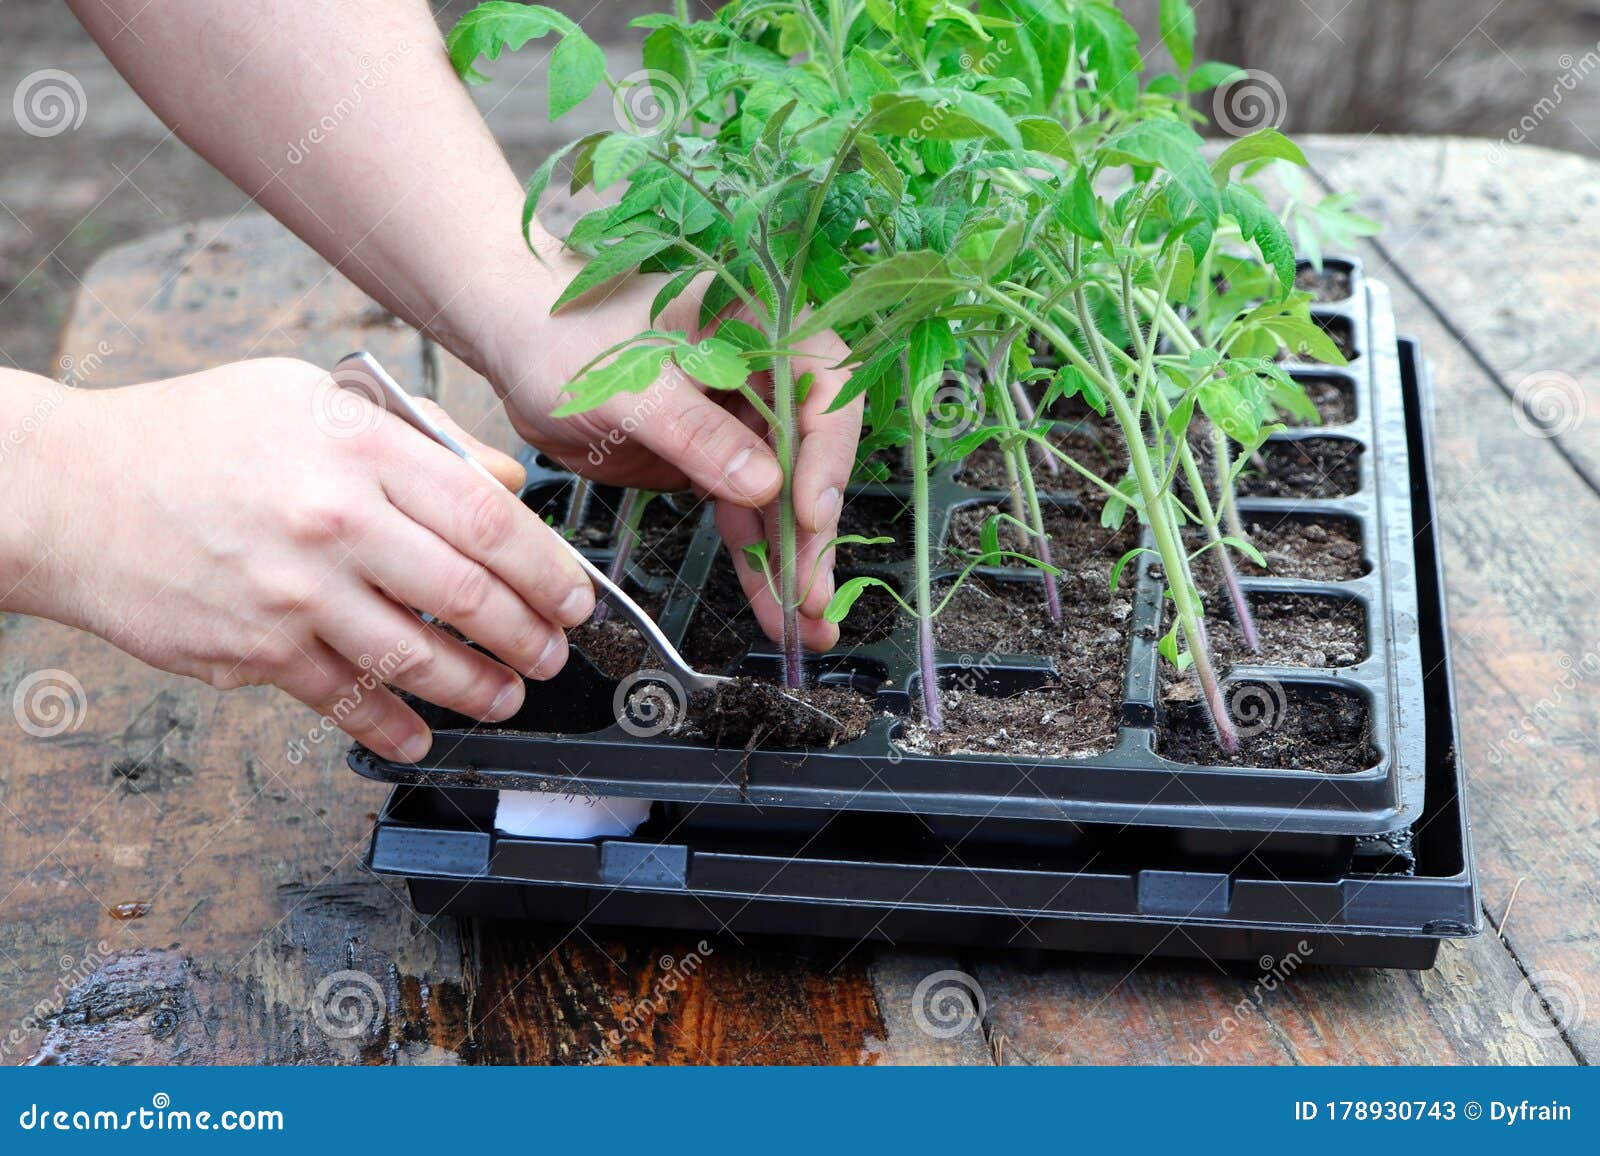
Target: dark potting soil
1280,727
748,713
665,532
1314,468
1077,714
1320,548
1298,630
723,626
1326,286
872,516
1335,401
1073,529
1090,447
885,467
614,646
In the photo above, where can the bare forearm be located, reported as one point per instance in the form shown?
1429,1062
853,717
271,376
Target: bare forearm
346,121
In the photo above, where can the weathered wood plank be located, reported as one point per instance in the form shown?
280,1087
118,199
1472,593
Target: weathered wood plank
1502,246
172,796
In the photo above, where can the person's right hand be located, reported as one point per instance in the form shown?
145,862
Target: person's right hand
255,524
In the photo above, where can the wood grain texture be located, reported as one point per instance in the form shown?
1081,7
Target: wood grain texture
1492,257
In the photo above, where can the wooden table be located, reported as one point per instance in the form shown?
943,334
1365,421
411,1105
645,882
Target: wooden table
181,799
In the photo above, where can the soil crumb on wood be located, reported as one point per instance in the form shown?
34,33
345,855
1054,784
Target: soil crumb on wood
1322,548
1327,286
1313,468
749,713
1280,727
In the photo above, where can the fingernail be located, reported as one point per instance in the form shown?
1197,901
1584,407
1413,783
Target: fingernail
576,608
545,655
827,509
506,703
752,475
415,748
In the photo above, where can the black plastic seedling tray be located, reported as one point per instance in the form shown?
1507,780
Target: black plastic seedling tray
568,739
865,876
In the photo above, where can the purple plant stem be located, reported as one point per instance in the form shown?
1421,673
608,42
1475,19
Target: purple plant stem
1029,415
624,537
933,713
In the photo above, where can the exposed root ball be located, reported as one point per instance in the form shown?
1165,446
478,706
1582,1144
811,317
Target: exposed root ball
746,712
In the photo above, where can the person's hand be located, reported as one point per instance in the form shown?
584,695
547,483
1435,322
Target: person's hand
677,436
256,524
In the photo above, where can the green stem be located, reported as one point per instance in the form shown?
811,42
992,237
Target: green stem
783,403
922,537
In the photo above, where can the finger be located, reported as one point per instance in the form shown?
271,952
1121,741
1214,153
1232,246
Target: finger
828,441
357,702
505,468
434,488
740,528
415,567
379,636
713,448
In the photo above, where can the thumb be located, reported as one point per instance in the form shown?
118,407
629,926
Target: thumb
506,469
719,453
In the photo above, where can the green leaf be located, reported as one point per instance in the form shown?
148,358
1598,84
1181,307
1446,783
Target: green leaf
1305,339
714,363
881,168
1175,147
577,66
672,290
845,597
916,277
1248,550
1079,207
1122,562
612,261
1212,74
1112,45
986,247
937,115
540,181
874,370
617,158
1260,224
1044,134
634,370
668,53
1177,32
1231,409
1267,143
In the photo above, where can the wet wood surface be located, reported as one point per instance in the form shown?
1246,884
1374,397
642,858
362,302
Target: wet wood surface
173,888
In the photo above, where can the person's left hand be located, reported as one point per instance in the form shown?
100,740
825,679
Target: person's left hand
676,436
